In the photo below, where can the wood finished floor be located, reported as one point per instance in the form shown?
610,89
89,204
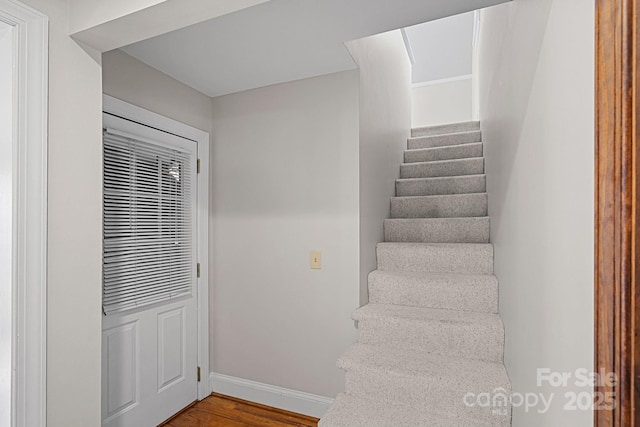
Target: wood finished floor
218,410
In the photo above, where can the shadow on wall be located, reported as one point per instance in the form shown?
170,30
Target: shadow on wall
384,126
510,55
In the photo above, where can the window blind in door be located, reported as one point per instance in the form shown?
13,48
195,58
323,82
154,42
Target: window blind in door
147,223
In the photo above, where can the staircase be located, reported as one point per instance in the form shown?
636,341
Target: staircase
430,338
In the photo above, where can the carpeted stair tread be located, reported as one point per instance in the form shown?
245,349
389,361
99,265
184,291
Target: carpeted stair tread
424,381
441,185
437,230
439,168
466,292
444,139
434,370
371,310
442,206
473,335
461,151
351,411
472,258
445,128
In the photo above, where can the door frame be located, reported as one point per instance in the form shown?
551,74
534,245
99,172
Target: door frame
131,112
29,229
617,220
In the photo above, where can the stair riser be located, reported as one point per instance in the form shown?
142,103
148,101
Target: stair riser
441,186
444,140
443,129
463,151
448,230
446,168
445,338
472,259
418,393
481,297
453,206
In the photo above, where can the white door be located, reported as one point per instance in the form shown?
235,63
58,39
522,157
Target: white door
149,329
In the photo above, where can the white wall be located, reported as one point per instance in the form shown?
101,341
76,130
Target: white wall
284,164
75,218
6,218
130,80
536,82
441,48
385,123
442,71
440,103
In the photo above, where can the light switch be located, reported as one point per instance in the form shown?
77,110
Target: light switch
316,260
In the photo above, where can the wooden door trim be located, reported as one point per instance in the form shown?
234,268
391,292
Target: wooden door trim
616,219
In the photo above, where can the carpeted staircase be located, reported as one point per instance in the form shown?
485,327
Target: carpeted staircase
430,338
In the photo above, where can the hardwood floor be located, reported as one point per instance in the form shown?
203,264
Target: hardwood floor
219,410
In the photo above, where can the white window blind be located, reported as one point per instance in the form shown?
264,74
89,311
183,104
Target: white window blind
148,220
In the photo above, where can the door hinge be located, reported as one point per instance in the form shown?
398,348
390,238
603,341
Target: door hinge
198,373
198,165
198,270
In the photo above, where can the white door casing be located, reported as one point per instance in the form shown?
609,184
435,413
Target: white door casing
6,221
24,188
150,354
125,110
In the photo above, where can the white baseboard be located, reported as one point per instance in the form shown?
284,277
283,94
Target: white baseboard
278,397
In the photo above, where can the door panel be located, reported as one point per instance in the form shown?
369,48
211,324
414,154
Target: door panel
120,345
171,348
